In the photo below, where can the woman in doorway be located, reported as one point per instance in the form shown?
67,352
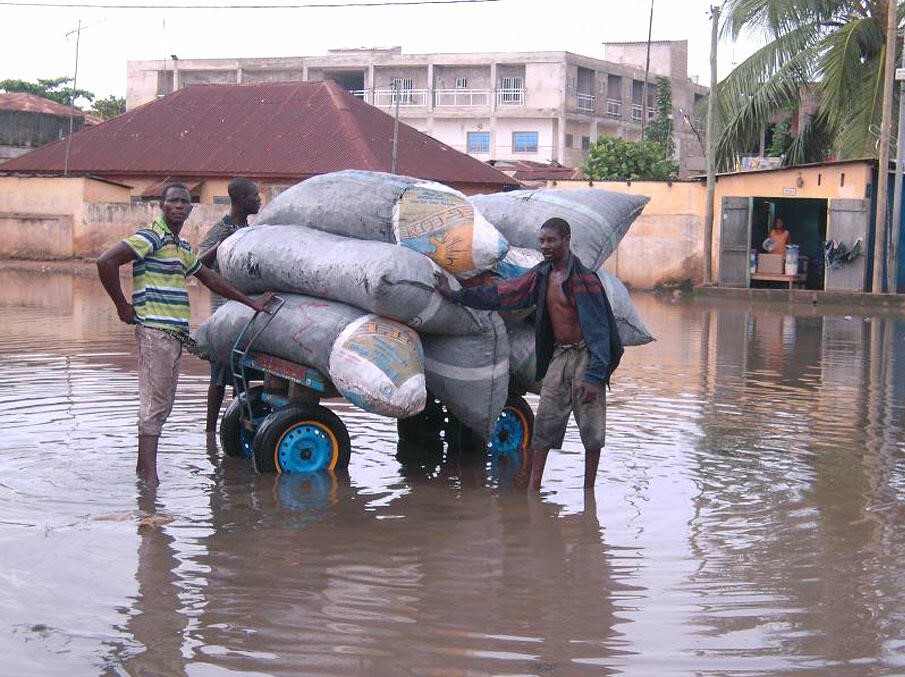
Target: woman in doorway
780,237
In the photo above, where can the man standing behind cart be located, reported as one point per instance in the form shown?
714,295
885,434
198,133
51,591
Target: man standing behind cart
576,340
161,262
245,199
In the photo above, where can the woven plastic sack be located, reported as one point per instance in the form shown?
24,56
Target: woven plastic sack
428,217
631,327
470,374
390,281
374,362
599,219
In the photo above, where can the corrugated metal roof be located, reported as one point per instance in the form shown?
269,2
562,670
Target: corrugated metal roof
286,130
32,103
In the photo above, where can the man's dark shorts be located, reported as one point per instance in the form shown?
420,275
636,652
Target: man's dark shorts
558,398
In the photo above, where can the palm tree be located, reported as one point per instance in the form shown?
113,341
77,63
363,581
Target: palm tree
832,48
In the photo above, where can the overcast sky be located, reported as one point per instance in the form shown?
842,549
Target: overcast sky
35,43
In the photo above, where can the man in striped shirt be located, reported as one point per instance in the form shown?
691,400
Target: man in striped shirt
161,262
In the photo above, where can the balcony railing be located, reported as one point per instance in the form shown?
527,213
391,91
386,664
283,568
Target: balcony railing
363,94
461,97
407,98
510,97
614,108
587,103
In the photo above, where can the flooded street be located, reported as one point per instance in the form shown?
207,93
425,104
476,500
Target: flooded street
747,517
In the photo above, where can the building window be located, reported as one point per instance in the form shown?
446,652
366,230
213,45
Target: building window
222,200
478,142
461,83
569,141
586,143
402,87
524,142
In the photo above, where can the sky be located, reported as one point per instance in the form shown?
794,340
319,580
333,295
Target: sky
40,41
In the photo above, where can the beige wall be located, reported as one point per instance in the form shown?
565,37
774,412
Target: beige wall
43,217
107,223
59,218
663,246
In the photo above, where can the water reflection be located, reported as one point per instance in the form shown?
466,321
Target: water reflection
746,519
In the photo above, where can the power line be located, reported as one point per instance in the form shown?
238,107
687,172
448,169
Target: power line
320,5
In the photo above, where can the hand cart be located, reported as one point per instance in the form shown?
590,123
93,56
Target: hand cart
280,423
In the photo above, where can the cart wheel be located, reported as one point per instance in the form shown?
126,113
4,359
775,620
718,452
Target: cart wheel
513,429
302,439
425,426
235,439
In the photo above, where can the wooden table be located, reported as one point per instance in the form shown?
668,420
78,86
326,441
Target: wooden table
791,280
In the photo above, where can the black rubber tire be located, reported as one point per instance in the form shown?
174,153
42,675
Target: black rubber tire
234,438
424,427
332,447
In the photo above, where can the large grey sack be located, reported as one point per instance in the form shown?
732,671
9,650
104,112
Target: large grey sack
599,218
425,216
470,374
375,363
631,327
391,281
351,203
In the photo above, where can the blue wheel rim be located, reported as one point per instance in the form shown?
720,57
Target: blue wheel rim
306,447
508,435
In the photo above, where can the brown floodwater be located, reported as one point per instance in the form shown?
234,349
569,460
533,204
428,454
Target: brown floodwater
747,518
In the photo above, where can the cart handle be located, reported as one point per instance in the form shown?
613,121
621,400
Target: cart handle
272,308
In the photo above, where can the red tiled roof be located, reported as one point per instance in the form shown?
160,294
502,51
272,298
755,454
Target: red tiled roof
285,130
32,103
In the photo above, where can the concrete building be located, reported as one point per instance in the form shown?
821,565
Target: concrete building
537,106
28,121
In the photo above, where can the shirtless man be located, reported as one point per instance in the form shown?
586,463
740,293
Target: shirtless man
576,340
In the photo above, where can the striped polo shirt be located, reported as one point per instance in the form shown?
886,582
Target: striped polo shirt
163,262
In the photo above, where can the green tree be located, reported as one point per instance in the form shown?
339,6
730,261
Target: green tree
836,47
660,129
109,107
782,137
615,159
53,89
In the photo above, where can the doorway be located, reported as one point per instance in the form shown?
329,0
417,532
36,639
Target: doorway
805,219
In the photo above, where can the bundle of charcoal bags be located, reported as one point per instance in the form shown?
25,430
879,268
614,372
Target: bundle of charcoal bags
353,253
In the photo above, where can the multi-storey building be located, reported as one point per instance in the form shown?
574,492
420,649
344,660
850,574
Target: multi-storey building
541,106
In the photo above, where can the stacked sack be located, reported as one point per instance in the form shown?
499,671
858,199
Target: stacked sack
368,243
355,252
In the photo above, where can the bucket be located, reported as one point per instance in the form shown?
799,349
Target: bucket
792,254
791,262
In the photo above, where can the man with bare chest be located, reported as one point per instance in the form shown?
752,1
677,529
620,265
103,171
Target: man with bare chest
576,340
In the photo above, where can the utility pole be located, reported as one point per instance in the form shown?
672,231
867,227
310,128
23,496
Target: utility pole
650,29
882,219
75,78
711,147
892,265
396,84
